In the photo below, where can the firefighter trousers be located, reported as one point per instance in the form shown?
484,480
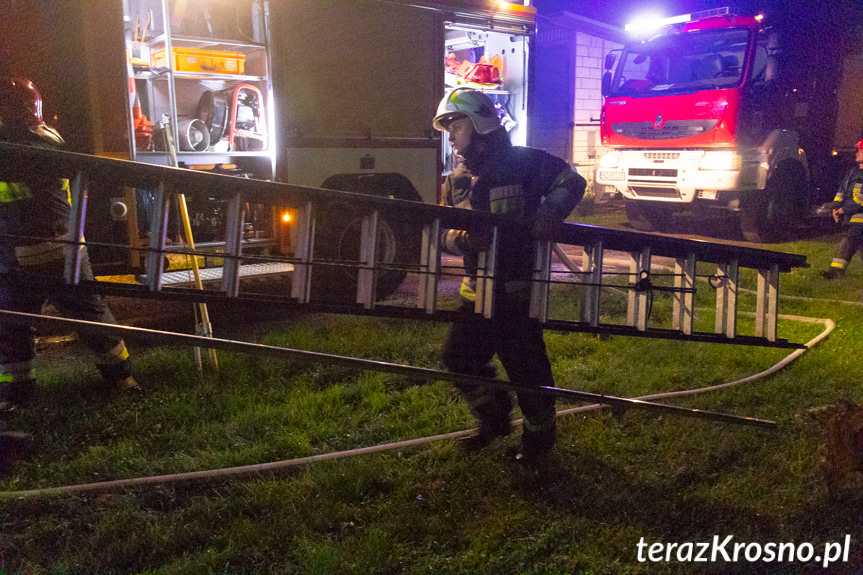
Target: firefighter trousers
17,342
517,339
851,242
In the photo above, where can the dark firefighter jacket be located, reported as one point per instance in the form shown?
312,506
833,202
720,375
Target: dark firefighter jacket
34,207
850,197
532,186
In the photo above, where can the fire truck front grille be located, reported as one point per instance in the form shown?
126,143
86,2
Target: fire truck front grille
652,172
650,192
669,130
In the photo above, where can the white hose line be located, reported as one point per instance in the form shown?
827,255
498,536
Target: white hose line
224,472
829,326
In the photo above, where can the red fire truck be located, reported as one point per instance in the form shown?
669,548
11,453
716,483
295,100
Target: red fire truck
722,111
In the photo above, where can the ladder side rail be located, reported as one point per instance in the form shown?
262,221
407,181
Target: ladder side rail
772,303
733,271
540,280
761,303
632,300
666,246
677,312
158,237
683,298
366,274
644,295
430,258
689,296
234,223
721,299
637,299
135,258
592,261
484,304
301,282
74,252
766,307
726,299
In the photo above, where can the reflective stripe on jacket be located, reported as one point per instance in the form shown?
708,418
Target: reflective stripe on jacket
849,196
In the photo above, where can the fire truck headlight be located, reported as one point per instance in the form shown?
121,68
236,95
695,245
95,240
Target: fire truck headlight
720,160
607,175
609,160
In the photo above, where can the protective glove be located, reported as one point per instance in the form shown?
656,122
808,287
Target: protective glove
460,242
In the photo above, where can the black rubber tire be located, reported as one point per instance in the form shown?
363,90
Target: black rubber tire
337,237
649,216
770,215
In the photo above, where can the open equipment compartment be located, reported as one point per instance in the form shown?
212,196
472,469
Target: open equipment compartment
494,60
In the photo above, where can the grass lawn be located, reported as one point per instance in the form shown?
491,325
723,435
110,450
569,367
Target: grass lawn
618,478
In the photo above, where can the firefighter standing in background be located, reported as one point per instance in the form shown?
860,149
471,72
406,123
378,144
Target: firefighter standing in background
34,209
541,190
848,208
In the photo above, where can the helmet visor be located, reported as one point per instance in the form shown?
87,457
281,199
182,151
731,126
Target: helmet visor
441,122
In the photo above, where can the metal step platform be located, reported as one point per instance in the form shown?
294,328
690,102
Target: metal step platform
209,275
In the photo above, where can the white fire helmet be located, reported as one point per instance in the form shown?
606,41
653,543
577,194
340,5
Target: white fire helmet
471,103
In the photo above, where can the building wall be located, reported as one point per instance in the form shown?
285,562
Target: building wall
570,59
554,100
590,51
554,91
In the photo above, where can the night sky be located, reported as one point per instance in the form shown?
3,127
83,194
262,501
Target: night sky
826,30
619,12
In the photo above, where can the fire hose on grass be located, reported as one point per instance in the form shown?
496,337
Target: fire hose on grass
415,372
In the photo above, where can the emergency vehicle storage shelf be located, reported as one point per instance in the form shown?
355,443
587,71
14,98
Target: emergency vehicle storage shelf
204,67
492,59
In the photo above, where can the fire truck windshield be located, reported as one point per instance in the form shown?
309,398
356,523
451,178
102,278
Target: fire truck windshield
685,62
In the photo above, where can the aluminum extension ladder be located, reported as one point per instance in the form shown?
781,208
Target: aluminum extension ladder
652,261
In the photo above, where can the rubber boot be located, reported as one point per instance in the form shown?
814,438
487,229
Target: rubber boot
491,407
833,273
536,445
118,376
488,431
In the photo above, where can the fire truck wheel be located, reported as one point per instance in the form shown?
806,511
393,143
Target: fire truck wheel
338,233
768,215
647,217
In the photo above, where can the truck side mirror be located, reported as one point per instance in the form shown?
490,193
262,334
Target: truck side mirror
609,61
606,83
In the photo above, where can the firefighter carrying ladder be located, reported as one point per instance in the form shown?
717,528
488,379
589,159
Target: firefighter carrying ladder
644,265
